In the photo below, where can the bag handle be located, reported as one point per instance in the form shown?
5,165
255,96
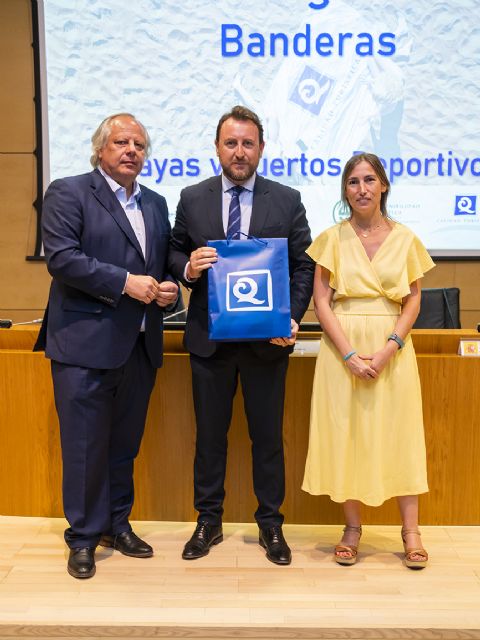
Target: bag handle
248,237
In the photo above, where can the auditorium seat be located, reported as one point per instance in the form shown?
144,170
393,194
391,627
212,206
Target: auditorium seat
439,309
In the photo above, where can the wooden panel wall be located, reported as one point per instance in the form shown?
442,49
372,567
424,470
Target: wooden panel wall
31,468
24,285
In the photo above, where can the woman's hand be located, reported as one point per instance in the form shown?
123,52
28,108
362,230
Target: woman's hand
360,368
379,360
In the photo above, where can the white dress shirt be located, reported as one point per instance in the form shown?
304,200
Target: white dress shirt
132,209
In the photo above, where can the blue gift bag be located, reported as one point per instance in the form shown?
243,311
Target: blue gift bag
249,290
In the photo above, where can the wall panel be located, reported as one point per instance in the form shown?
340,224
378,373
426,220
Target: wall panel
17,124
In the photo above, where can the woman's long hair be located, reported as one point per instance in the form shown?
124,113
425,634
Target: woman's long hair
375,162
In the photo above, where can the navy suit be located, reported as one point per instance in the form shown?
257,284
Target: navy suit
103,367
277,212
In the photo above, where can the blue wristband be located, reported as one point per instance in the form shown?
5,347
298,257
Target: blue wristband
349,355
396,339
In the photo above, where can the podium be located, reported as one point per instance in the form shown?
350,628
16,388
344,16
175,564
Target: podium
30,468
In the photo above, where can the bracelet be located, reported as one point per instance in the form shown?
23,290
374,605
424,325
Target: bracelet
349,355
396,338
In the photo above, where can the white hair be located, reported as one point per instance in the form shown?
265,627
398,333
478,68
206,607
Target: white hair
100,137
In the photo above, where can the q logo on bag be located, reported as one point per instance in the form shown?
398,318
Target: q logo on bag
249,290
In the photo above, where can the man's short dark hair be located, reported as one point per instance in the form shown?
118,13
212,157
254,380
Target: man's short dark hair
241,113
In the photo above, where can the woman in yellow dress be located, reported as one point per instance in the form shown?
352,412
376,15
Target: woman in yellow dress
366,427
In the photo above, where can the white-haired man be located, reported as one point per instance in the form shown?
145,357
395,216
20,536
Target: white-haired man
106,243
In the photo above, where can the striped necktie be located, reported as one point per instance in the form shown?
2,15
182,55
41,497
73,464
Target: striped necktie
234,214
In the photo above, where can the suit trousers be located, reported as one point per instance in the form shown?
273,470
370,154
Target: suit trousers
215,382
102,416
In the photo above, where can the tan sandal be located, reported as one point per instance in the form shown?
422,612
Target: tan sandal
344,548
410,562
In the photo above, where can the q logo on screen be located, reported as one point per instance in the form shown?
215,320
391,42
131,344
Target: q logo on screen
311,90
249,290
465,205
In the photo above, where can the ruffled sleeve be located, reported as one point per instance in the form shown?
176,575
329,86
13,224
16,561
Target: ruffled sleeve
324,250
418,261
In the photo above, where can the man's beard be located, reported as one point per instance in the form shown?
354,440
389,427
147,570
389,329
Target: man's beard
239,177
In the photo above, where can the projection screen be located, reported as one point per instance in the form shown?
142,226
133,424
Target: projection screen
328,79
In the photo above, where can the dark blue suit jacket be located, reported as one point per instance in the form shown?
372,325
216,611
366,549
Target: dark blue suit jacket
90,246
277,212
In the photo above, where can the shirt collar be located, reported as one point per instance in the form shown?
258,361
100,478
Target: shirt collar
117,188
228,184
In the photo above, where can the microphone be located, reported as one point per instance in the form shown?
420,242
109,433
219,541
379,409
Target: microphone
6,324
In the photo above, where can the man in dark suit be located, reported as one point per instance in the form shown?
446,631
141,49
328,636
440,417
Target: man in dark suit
106,242
238,201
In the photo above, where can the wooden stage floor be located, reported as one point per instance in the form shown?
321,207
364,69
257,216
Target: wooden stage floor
235,592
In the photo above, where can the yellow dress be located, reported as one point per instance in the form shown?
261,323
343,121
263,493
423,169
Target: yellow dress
366,437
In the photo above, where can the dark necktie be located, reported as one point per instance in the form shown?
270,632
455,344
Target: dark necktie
233,228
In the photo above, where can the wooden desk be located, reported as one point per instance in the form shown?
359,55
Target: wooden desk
30,469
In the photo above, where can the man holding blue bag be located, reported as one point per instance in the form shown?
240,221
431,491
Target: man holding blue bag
239,243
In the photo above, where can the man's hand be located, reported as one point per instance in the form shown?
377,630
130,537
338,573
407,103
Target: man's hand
143,288
200,259
167,293
287,342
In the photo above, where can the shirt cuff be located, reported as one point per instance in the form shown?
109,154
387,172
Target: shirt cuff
187,279
125,285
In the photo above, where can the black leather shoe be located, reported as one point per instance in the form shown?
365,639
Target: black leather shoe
81,562
277,548
129,544
204,536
